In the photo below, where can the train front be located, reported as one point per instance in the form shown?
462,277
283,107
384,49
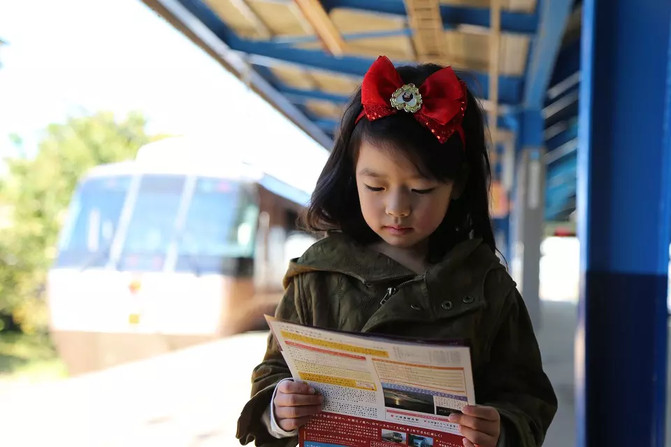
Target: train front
148,262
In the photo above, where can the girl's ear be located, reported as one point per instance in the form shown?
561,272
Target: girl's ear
460,182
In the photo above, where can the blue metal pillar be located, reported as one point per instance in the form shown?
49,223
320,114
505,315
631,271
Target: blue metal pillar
509,161
501,230
507,181
528,210
500,201
624,202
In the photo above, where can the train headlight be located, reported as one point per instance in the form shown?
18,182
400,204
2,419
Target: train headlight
134,286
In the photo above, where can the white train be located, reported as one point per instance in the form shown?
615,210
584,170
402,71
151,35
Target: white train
168,250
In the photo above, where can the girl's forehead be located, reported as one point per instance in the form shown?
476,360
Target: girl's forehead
375,159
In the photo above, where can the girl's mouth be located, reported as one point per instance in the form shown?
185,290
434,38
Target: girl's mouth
397,230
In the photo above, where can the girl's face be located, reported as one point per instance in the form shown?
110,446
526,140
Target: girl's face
397,202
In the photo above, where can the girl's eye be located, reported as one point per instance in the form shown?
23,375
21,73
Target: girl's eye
423,191
373,188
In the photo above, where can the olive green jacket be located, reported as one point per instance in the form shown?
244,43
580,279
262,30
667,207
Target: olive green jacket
339,284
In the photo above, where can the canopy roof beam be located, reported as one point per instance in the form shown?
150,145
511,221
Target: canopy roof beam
429,34
314,13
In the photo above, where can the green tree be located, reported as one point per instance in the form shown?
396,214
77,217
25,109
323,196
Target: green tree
35,194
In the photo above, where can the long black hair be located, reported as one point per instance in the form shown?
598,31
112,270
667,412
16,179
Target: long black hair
335,201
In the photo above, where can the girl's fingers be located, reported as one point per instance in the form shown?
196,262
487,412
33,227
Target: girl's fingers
294,403
291,387
467,443
296,400
296,412
480,418
292,424
479,438
482,412
489,427
481,425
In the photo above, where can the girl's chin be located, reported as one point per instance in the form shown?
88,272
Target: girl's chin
401,241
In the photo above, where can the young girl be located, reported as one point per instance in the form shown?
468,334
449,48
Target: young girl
409,251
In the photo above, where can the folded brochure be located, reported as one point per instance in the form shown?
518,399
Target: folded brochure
378,391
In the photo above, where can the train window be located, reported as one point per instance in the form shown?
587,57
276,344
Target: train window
151,227
92,222
220,223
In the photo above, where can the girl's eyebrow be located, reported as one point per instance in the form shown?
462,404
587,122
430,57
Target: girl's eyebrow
367,172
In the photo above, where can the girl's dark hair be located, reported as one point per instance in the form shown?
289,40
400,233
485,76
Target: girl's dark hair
335,201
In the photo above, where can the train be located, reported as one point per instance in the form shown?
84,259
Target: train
168,250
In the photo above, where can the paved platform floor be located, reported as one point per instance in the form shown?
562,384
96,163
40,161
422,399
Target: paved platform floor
556,339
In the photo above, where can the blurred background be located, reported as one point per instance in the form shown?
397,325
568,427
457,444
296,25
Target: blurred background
148,200
77,92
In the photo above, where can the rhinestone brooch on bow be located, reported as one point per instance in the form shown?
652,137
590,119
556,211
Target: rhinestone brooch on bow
407,98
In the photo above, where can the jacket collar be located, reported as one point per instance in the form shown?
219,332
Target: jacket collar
341,254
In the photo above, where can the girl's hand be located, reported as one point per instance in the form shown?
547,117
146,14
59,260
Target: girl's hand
480,425
294,403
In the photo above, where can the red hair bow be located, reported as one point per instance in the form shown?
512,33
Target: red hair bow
438,104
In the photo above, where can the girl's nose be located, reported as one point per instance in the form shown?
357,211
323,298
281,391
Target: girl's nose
400,213
398,205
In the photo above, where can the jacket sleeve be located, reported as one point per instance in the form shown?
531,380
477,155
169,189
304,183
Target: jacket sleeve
513,381
266,376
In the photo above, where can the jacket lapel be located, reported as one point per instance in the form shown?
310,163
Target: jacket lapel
449,289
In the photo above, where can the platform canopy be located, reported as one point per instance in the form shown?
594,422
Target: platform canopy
306,57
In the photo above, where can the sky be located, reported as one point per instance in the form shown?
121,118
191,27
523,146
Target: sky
75,57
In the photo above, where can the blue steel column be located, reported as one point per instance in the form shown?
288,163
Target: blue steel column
624,198
528,210
501,222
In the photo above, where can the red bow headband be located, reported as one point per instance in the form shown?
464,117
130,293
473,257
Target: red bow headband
438,104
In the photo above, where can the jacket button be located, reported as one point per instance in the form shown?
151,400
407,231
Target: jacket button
468,299
415,307
446,305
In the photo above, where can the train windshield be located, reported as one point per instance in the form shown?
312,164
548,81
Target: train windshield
220,225
172,223
152,223
93,220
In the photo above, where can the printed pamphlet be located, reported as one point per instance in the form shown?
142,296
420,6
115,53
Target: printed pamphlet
378,392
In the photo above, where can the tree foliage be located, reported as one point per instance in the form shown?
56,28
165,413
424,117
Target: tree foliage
34,195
